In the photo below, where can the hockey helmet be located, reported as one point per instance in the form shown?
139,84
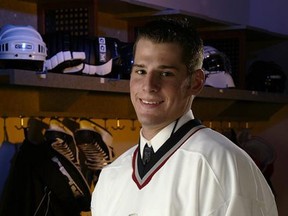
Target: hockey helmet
22,44
266,76
217,68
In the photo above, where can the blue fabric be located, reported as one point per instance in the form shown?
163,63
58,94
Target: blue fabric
7,151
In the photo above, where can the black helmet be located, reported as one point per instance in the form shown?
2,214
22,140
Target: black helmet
217,68
266,76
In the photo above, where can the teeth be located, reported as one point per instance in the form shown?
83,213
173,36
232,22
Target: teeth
150,102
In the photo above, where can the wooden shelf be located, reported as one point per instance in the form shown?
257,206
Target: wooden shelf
237,105
94,83
64,81
243,95
24,93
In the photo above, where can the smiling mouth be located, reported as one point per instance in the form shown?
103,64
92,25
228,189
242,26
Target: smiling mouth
150,102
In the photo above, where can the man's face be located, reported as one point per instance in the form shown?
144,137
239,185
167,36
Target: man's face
160,87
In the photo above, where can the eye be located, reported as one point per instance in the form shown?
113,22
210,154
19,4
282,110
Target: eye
167,73
140,71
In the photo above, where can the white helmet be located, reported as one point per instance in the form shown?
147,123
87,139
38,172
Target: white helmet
22,43
217,68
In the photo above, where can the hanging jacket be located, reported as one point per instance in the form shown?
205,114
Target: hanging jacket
44,182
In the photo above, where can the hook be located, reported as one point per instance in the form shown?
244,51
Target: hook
21,123
105,123
25,129
133,128
229,125
246,125
210,124
118,127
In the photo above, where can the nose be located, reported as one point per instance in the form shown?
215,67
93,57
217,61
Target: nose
151,82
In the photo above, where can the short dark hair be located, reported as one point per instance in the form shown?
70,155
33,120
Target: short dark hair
176,30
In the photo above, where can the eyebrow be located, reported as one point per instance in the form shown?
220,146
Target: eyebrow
161,66
138,65
168,67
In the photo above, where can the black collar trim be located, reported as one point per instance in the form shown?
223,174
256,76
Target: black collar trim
143,174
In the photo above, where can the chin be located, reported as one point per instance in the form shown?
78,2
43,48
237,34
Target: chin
151,121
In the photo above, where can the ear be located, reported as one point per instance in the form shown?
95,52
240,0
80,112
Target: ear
197,81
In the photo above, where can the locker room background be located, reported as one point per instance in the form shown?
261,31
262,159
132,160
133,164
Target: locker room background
273,131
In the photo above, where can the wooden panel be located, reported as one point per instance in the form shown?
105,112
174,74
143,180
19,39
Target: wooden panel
18,101
24,93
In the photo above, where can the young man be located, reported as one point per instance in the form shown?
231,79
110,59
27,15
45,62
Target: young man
194,171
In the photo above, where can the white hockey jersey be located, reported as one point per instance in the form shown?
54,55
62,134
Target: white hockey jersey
203,174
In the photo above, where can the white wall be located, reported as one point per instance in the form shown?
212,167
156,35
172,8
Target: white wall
221,10
269,15
18,13
261,14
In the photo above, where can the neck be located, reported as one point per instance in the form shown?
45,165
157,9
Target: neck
149,133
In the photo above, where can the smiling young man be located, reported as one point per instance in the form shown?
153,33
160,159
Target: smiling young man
192,170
